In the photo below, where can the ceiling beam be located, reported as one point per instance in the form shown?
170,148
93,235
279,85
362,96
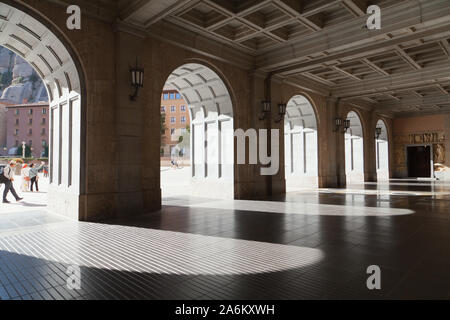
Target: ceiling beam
168,11
319,79
361,52
294,8
334,41
374,67
445,47
390,95
134,7
441,89
346,73
356,7
405,81
416,101
400,52
417,94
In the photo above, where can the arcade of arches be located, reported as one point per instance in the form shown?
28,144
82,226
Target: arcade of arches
104,154
390,86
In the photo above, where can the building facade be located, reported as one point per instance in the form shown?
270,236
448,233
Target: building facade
27,123
4,104
175,113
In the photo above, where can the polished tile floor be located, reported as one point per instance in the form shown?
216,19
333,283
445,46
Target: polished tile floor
306,245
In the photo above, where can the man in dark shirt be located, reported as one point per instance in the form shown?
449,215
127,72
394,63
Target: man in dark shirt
8,178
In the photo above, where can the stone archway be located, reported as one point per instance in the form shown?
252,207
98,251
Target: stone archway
38,42
301,144
354,149
382,152
212,129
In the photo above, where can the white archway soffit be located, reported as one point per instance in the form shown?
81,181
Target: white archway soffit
355,125
202,89
36,44
384,134
300,113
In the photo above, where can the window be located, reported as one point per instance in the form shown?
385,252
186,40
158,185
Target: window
44,143
44,111
16,132
17,143
173,109
163,109
43,131
17,122
43,120
30,111
172,96
173,120
172,131
17,112
183,108
30,143
30,121
183,119
30,132
178,96
166,96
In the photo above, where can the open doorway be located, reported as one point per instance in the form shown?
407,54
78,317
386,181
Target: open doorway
419,161
382,151
43,89
197,135
354,149
24,133
301,148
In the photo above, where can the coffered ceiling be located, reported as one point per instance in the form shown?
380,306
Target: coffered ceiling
323,45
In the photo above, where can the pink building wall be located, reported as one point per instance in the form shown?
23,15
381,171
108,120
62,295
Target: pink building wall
37,136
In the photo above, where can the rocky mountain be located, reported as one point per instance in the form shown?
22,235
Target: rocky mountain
19,82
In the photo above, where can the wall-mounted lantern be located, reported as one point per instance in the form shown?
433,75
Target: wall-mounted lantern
281,112
378,131
266,107
346,126
137,80
338,123
341,125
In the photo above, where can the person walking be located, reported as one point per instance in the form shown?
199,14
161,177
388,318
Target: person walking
34,175
8,178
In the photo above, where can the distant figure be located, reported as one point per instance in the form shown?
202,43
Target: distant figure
34,175
25,172
174,163
8,178
45,172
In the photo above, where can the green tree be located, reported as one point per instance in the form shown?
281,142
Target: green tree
34,77
27,151
45,155
6,78
163,128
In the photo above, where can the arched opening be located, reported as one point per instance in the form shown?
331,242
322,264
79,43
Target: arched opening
208,170
300,144
382,152
354,149
38,43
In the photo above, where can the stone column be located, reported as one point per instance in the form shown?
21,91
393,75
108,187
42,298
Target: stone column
129,124
340,149
249,184
370,165
327,148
